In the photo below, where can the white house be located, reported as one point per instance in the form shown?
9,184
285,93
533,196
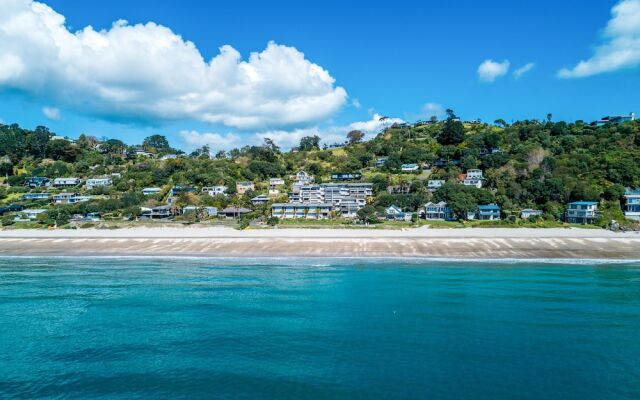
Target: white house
582,212
260,199
169,157
409,167
437,211
29,214
632,204
528,212
275,184
302,178
215,190
150,191
434,184
69,198
473,177
97,182
299,210
395,213
66,182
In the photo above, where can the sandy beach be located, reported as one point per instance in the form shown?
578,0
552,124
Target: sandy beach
468,243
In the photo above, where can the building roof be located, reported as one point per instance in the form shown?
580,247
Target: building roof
432,204
33,211
307,205
632,192
584,203
235,210
489,207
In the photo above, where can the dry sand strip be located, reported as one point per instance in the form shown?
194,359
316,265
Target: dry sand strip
623,248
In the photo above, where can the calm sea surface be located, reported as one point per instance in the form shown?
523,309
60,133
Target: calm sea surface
318,329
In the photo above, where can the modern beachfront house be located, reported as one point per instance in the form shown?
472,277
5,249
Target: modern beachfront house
36,196
301,211
29,214
395,213
582,212
215,190
234,212
528,213
159,212
485,212
151,191
244,187
632,204
437,211
434,184
97,182
66,182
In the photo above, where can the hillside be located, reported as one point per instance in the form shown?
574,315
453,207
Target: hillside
525,165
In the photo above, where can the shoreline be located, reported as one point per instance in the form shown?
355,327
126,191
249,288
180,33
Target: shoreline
420,243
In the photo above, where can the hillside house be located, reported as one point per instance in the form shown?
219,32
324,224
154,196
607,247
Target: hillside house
244,187
66,182
97,182
215,190
151,191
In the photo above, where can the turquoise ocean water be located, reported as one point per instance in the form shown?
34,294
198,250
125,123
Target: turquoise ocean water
318,329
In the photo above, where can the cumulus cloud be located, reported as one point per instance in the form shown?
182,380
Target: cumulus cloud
51,113
376,124
621,44
147,72
216,141
523,70
286,139
433,109
490,70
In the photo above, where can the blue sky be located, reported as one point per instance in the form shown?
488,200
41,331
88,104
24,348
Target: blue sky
405,59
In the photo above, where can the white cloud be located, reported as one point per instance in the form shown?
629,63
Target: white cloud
432,109
356,103
286,139
147,72
489,70
621,45
517,74
51,113
376,124
216,141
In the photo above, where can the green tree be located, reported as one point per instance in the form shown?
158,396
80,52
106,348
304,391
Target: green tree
452,132
309,143
155,144
355,136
